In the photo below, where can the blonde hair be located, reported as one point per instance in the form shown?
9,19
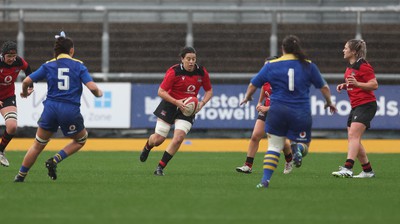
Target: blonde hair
359,46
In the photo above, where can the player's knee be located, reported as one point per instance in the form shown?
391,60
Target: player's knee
178,139
11,129
157,139
256,137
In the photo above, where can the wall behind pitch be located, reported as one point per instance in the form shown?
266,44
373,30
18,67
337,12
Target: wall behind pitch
126,105
224,112
110,111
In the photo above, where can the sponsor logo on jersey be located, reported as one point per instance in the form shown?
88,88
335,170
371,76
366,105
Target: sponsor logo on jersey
72,128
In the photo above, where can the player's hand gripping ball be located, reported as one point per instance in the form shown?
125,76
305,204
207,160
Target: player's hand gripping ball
191,104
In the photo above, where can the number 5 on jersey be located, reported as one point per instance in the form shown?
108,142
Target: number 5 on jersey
63,83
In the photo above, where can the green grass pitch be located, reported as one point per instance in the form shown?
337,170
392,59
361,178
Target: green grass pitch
199,187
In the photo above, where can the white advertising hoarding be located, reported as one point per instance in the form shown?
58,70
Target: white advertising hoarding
113,110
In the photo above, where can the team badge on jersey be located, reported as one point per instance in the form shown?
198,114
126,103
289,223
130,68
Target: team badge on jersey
191,88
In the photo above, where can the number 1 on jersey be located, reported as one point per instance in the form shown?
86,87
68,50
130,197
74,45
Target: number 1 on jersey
291,79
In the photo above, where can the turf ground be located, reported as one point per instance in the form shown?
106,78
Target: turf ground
199,187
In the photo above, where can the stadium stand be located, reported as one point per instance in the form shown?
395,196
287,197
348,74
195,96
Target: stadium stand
148,42
225,43
224,48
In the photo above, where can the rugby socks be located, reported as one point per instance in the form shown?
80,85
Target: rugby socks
5,139
147,146
271,160
165,159
60,156
289,157
349,164
367,167
23,171
303,148
249,162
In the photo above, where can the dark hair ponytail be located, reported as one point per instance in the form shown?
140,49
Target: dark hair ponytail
291,45
62,45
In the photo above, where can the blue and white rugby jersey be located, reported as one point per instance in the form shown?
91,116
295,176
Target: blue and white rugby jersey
290,80
64,78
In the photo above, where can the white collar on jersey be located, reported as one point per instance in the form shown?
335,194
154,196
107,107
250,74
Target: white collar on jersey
182,68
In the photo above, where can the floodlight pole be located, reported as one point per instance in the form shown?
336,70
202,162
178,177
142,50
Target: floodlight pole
105,60
273,40
20,35
358,26
189,33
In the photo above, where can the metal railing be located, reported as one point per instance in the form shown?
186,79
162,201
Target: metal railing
190,11
222,77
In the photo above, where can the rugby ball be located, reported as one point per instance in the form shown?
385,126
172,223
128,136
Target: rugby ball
190,106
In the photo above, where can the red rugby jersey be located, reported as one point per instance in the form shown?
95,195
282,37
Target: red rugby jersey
181,84
9,74
266,88
363,72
